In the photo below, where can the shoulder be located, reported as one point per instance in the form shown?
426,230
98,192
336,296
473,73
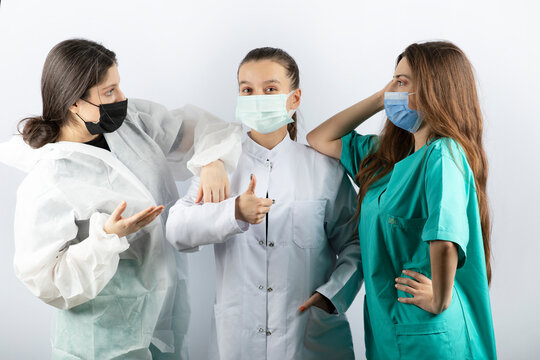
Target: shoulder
319,163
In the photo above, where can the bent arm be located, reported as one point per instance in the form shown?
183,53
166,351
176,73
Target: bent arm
191,224
189,137
58,267
347,277
326,138
444,261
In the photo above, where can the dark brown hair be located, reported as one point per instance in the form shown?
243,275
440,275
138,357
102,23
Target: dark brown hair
446,95
284,59
72,67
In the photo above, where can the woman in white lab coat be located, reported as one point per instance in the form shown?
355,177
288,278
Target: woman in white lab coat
89,237
287,260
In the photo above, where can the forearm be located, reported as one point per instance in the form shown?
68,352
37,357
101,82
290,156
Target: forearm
345,121
444,260
79,271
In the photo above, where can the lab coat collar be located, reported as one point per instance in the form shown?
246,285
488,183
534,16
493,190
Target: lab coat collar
262,153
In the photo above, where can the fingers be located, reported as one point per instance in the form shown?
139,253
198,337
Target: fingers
406,281
410,300
227,190
406,289
266,202
199,195
150,217
419,277
207,194
252,184
117,213
140,215
221,194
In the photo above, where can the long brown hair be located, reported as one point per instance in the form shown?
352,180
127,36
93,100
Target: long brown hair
284,59
446,95
72,67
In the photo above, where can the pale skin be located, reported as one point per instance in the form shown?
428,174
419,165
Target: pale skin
433,295
260,78
214,181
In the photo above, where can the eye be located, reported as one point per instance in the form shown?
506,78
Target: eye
270,89
246,90
109,93
400,83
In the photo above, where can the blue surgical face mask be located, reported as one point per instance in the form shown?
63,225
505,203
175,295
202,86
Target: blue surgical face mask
264,113
397,109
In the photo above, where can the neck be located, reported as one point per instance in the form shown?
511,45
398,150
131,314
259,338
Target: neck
270,140
420,138
74,131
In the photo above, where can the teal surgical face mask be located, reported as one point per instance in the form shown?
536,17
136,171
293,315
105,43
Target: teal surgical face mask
264,113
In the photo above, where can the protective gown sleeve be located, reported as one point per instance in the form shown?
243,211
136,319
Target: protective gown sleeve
189,136
347,277
51,259
191,225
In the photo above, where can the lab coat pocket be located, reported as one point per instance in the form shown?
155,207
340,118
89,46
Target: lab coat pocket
328,336
428,340
403,238
308,223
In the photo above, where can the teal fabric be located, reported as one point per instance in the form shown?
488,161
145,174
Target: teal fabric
429,195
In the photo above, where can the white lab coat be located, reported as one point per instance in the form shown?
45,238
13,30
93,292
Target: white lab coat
117,295
263,279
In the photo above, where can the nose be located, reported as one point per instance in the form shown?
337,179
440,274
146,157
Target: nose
121,95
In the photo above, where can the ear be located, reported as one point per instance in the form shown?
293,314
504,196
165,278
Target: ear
74,108
295,99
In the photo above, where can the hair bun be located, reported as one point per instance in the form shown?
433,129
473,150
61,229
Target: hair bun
37,131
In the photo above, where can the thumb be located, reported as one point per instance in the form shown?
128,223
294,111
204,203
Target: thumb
306,305
252,184
117,213
199,195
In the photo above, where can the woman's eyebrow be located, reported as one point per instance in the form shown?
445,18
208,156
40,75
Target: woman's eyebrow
401,75
272,81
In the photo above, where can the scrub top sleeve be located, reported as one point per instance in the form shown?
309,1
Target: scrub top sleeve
354,148
447,198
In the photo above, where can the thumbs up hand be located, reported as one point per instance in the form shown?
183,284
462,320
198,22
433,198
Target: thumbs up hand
250,208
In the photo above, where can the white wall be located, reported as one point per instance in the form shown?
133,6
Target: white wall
176,52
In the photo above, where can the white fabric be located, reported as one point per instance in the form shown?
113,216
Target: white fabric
263,280
120,300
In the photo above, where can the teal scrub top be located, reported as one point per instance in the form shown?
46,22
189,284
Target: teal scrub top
429,195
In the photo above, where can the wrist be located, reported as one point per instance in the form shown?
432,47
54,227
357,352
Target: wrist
237,212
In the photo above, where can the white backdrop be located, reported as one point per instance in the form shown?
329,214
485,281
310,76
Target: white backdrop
178,52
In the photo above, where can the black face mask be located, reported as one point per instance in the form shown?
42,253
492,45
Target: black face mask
111,117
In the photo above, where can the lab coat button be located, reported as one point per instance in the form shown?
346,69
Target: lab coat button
268,333
261,330
270,289
261,287
261,242
271,244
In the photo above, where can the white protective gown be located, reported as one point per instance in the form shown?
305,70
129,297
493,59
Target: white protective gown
265,272
118,296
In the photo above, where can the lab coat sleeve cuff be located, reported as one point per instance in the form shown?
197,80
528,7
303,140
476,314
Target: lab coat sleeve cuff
109,242
328,292
224,144
237,226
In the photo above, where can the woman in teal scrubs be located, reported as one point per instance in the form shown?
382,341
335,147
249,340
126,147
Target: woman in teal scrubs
423,213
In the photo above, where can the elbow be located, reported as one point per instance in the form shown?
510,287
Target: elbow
442,306
310,138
